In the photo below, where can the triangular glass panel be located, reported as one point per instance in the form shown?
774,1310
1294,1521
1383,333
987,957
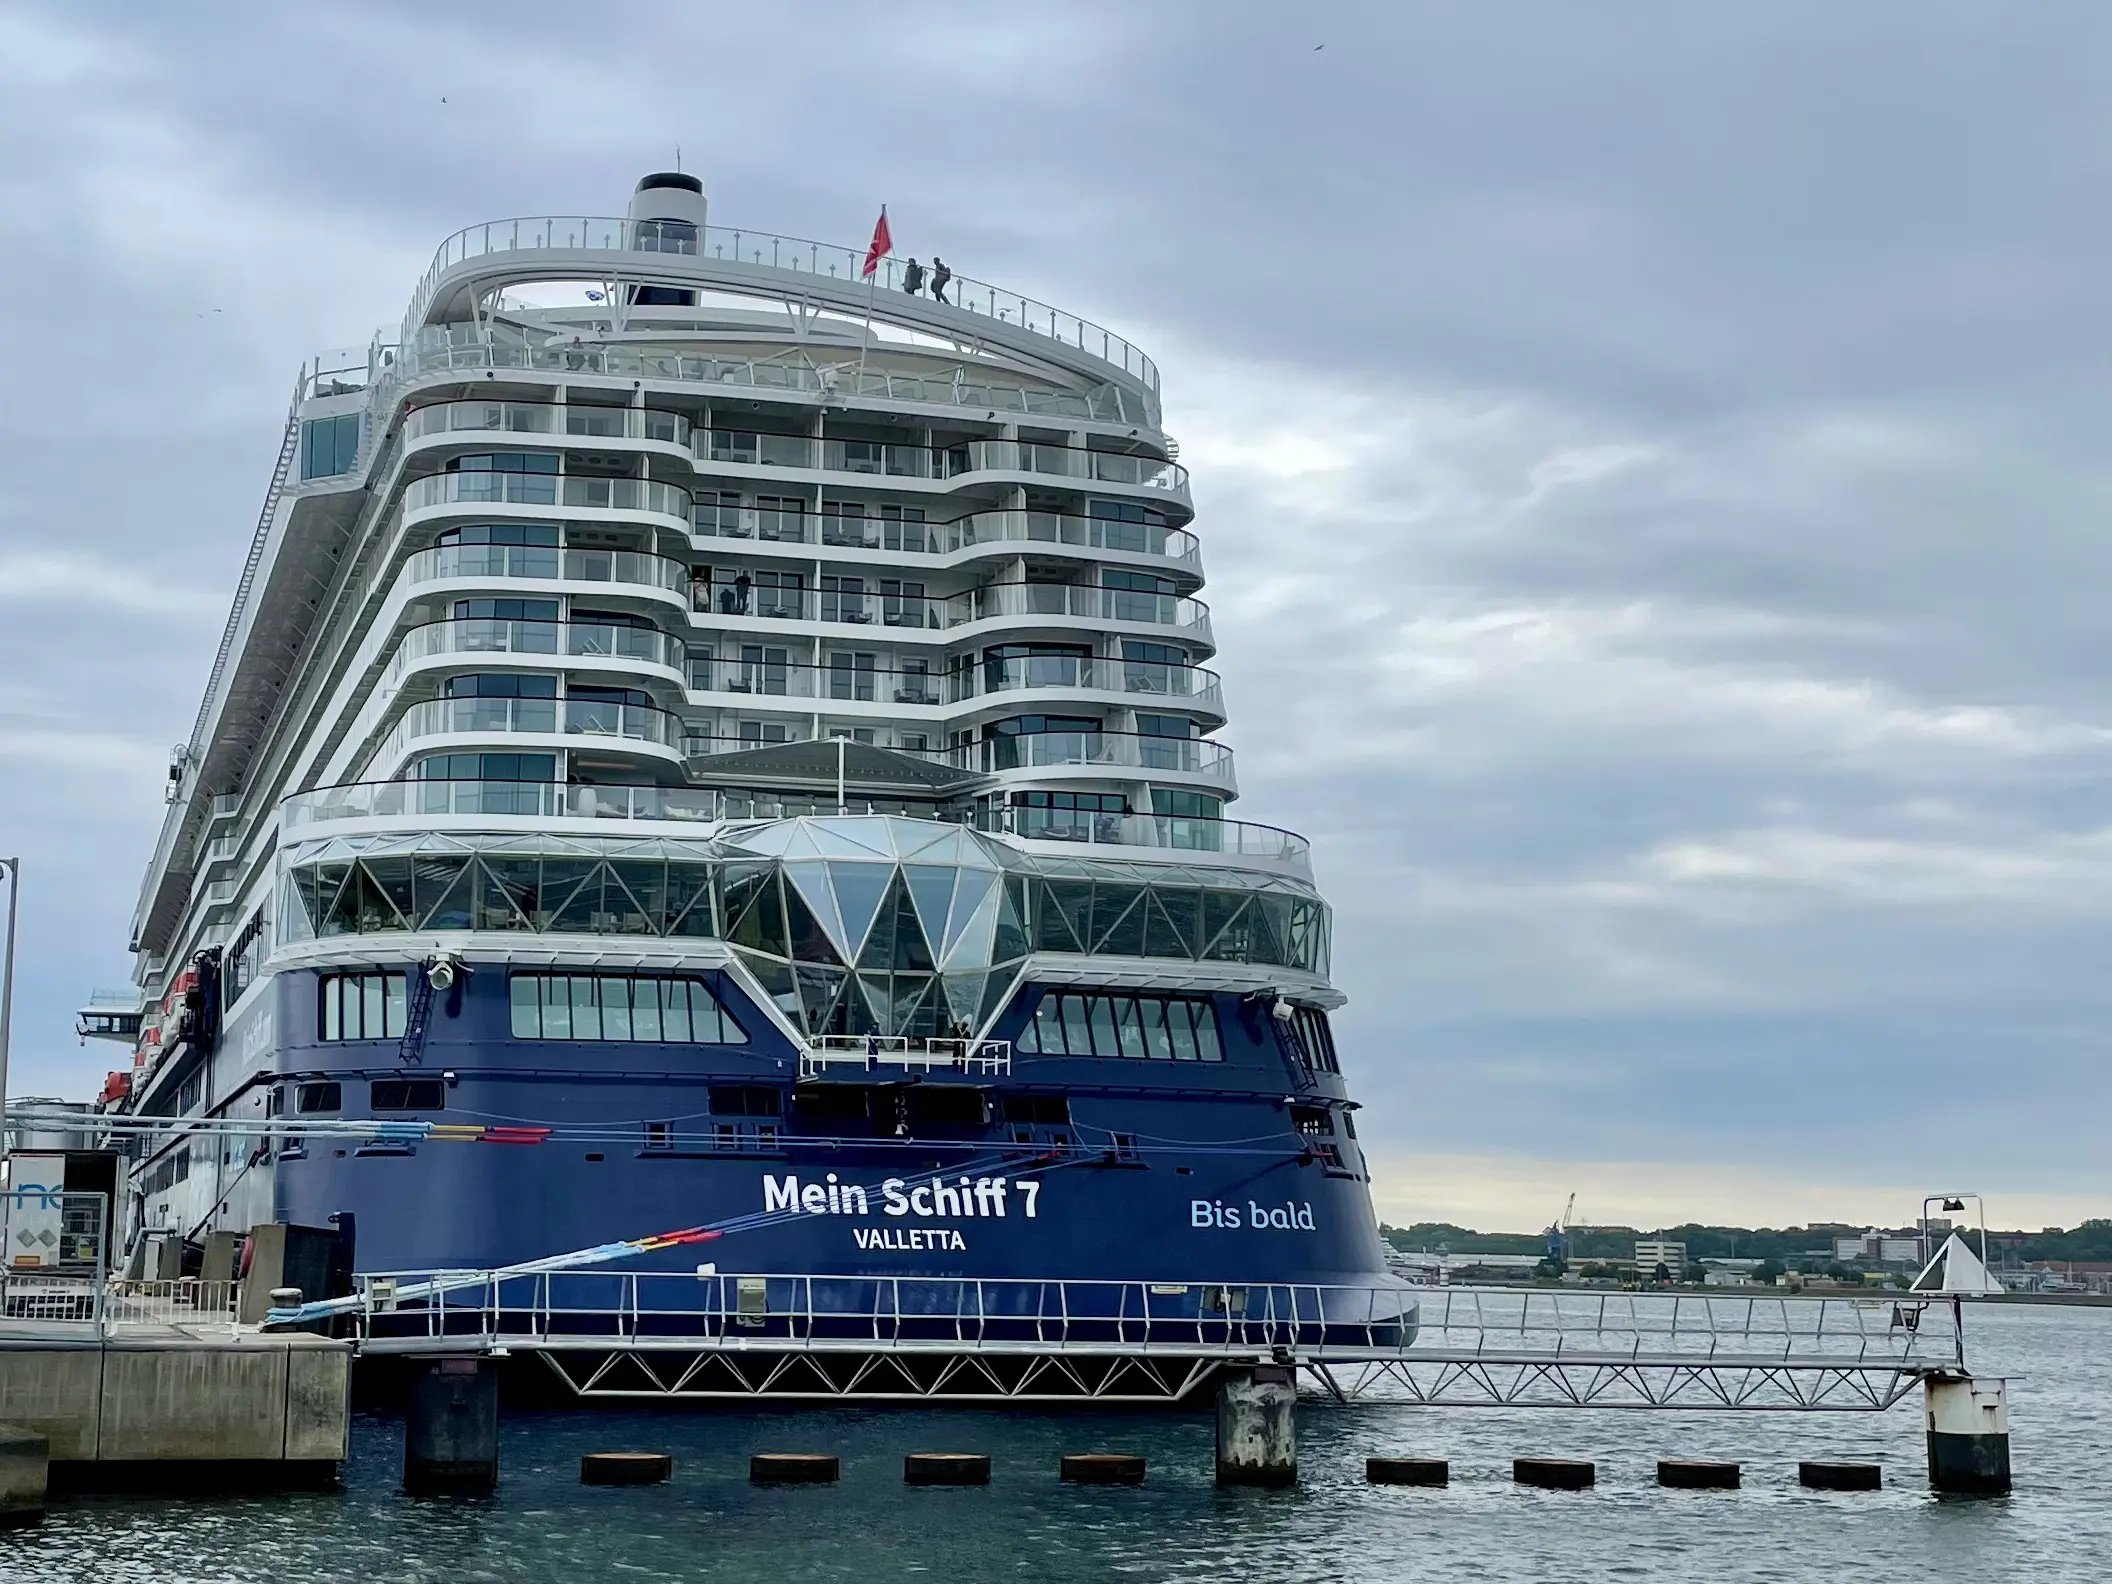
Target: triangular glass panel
932,886
1225,921
819,989
997,990
1065,920
860,888
964,999
879,1000
773,839
1161,937
969,890
563,878
850,838
925,839
583,909
689,910
334,914
807,940
970,946
1011,939
909,951
392,877
453,908
647,885
776,979
810,881
506,893
434,884
761,926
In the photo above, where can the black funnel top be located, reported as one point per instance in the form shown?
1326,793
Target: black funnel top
670,179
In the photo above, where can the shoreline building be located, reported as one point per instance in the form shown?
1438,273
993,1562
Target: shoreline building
742,738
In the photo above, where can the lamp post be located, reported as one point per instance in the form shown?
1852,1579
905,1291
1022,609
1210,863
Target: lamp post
12,867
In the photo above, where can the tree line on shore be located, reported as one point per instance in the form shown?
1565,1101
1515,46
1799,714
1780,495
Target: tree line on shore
1784,1245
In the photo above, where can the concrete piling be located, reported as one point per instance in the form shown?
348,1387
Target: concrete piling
626,1468
792,1468
1257,1427
1554,1473
1968,1423
25,1466
1100,1468
1841,1476
945,1468
1407,1471
451,1429
1696,1474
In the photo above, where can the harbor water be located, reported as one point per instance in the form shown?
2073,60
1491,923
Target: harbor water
709,1523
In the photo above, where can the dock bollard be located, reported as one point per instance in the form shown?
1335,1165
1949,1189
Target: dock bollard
1257,1426
1694,1474
1407,1471
1841,1476
792,1468
1968,1421
451,1429
25,1470
1100,1468
945,1468
626,1468
1554,1473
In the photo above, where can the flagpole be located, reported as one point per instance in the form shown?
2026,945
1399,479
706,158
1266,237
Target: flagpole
872,291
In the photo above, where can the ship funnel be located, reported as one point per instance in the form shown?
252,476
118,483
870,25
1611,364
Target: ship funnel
669,195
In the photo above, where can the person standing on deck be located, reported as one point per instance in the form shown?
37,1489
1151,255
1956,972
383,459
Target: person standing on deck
940,275
913,278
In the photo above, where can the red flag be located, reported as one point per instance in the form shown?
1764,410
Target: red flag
883,244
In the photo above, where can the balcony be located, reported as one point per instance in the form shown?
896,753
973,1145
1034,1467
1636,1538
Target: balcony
372,800
1189,686
479,562
858,606
542,800
546,418
551,490
896,536
878,459
643,646
630,724
1120,751
437,351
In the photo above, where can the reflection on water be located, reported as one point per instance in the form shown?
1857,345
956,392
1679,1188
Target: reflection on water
710,1524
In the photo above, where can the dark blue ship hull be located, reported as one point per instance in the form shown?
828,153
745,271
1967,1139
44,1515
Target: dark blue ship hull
1158,1171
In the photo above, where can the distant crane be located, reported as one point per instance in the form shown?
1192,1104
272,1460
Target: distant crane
1558,1234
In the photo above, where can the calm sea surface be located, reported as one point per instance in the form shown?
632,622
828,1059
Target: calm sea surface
710,1524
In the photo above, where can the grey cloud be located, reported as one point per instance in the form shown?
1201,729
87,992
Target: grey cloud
1649,460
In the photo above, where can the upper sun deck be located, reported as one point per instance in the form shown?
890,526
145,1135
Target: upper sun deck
481,258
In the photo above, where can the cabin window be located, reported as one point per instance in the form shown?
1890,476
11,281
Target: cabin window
1158,1028
620,1007
407,1094
310,1099
364,1006
329,446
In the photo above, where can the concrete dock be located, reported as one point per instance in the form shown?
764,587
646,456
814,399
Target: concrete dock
168,1402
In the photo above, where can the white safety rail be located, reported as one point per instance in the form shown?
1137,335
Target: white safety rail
648,1334
981,1058
1497,1347
186,1302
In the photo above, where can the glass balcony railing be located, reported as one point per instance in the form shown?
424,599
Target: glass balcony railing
1236,837
542,418
539,717
867,529
1191,686
547,489
1195,756
548,564
852,603
541,800
770,254
877,459
472,635
439,349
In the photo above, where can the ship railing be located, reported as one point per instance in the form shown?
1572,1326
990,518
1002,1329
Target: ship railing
438,350
868,1052
185,1301
1458,1329
790,255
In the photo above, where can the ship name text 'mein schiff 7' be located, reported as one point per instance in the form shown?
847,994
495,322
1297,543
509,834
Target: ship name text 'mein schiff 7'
706,739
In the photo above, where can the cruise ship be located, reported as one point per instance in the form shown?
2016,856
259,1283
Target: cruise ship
716,731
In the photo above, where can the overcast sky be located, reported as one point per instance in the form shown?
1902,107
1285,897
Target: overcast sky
1649,462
